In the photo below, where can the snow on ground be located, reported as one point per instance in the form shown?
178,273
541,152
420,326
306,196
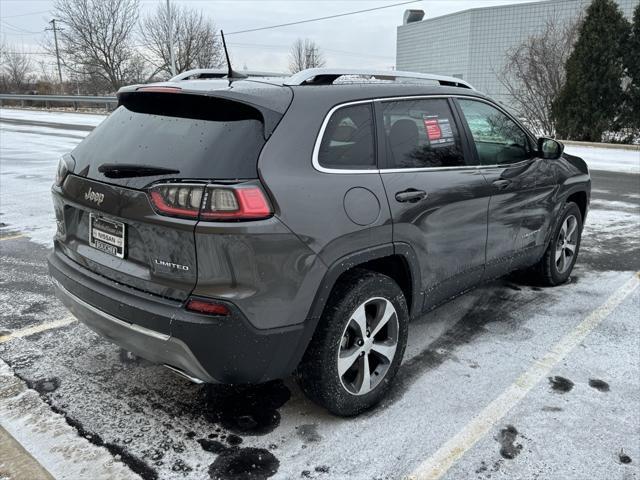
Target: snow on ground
611,222
47,436
28,159
610,159
53,117
179,431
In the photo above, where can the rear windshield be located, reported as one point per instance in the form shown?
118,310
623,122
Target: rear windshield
202,138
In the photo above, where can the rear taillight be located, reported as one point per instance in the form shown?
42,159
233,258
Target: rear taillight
207,307
235,203
214,202
175,199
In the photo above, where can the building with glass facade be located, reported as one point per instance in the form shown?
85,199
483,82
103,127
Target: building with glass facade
472,44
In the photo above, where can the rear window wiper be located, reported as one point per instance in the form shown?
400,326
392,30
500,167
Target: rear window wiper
124,170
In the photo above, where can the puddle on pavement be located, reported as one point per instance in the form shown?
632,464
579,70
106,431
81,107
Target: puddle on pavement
599,385
247,410
243,464
560,384
507,437
45,385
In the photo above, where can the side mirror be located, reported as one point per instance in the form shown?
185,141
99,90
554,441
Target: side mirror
550,148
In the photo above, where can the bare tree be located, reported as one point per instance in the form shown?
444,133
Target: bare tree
16,68
305,53
97,38
196,44
534,72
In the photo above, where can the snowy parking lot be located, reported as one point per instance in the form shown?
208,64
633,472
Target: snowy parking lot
509,381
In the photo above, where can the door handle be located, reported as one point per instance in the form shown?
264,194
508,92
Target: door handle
501,184
411,195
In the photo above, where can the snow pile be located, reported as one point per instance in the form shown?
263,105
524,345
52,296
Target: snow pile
609,159
52,117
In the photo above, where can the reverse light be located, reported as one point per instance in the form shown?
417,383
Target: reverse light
208,307
215,202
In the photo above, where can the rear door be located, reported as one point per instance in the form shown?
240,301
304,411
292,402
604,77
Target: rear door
438,198
522,184
107,221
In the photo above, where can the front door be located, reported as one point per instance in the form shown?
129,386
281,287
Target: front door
437,197
522,185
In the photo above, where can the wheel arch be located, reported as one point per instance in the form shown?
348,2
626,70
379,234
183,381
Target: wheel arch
397,261
580,198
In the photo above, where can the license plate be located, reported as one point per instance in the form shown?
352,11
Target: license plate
107,235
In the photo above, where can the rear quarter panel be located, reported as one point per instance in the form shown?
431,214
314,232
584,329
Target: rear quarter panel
310,202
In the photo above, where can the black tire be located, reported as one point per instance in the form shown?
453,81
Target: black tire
547,271
318,374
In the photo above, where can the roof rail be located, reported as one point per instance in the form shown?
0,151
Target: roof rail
326,76
204,73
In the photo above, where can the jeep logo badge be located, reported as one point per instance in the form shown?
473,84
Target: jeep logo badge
94,196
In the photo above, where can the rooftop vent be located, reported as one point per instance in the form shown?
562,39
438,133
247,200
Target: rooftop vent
411,16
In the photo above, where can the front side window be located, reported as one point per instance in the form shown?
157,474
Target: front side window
421,133
347,142
498,139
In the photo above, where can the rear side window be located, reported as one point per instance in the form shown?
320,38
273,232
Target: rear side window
348,140
421,134
200,137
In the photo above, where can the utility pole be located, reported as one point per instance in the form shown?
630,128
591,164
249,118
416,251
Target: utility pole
55,37
171,54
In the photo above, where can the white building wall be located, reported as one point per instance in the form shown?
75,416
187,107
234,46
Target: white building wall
473,43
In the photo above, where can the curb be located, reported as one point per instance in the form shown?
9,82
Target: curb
16,463
620,146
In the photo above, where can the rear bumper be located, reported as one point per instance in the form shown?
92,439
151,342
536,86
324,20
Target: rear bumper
207,349
154,346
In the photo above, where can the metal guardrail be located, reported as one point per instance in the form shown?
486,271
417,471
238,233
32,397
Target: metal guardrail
108,102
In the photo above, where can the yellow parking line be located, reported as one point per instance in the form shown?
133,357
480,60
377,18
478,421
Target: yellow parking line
25,332
450,452
12,237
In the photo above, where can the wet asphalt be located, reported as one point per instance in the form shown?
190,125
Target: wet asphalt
581,422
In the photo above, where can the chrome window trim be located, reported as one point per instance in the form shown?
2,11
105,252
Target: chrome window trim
316,147
342,171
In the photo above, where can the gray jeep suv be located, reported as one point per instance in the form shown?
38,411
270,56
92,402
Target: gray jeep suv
240,231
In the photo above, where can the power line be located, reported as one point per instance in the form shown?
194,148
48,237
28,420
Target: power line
19,29
29,53
287,47
25,14
321,18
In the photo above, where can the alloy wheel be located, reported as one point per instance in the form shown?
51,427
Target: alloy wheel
566,244
368,346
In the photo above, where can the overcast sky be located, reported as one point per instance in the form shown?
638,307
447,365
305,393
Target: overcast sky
365,40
